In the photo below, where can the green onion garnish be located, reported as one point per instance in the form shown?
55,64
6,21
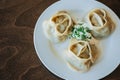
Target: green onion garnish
80,32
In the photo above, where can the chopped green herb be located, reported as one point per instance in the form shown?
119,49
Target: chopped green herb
80,32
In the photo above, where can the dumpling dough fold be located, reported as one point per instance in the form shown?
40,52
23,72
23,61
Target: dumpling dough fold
100,23
81,55
58,26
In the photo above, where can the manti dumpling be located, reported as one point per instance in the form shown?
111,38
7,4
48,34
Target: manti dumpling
100,23
58,26
81,55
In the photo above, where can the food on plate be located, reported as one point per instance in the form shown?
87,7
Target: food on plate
58,26
83,36
100,23
81,55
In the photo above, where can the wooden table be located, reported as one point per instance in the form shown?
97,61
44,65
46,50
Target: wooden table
18,59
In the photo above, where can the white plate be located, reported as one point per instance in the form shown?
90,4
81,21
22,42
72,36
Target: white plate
51,56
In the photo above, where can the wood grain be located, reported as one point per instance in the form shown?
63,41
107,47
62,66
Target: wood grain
18,59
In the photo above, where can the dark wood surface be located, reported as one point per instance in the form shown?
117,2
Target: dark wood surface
18,59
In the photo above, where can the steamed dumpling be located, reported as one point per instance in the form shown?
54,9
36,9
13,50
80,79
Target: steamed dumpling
100,23
81,55
58,27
